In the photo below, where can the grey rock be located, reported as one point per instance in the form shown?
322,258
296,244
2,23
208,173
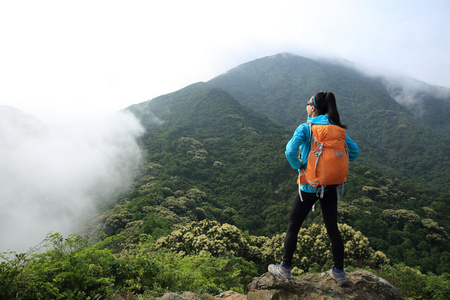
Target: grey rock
363,285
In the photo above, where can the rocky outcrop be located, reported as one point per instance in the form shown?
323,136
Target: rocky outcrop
230,295
363,285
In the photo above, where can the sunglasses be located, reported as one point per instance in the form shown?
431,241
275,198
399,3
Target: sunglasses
309,103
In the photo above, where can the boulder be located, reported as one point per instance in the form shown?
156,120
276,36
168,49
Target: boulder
363,285
230,295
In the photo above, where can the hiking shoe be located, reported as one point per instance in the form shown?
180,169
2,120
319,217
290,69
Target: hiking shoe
279,271
340,278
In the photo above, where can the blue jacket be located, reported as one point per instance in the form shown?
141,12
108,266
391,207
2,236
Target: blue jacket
302,139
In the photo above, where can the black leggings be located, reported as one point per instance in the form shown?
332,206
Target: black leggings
299,213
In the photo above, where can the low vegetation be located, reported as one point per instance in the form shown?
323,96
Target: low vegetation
203,257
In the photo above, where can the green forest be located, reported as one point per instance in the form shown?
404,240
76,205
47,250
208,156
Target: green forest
208,208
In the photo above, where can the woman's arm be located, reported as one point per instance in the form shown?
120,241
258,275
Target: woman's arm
352,148
292,147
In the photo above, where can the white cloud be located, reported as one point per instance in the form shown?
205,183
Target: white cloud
54,175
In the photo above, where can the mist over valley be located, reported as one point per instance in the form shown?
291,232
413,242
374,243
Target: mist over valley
54,176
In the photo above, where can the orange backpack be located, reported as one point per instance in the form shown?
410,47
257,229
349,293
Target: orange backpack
328,158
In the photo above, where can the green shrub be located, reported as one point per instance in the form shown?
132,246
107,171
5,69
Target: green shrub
202,274
413,284
71,268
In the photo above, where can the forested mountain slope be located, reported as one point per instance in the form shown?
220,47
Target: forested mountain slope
392,139
210,157
206,140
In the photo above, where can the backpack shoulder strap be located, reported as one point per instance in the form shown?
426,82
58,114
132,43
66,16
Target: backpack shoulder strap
310,131
317,150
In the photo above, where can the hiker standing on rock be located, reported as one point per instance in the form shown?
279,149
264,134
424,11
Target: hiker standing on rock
325,151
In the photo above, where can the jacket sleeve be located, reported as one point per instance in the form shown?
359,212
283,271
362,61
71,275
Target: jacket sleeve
292,147
353,149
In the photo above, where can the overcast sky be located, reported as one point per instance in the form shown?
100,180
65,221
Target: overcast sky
85,57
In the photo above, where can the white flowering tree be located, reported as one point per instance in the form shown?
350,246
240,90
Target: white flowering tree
313,251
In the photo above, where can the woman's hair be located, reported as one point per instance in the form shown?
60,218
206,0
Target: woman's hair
326,105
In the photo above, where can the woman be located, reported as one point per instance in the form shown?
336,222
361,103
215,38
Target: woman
322,110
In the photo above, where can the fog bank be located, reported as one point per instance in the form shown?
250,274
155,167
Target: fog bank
53,175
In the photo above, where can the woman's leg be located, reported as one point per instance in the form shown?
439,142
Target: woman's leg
329,213
299,212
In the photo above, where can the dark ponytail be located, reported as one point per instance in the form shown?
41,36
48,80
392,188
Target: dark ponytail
326,105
